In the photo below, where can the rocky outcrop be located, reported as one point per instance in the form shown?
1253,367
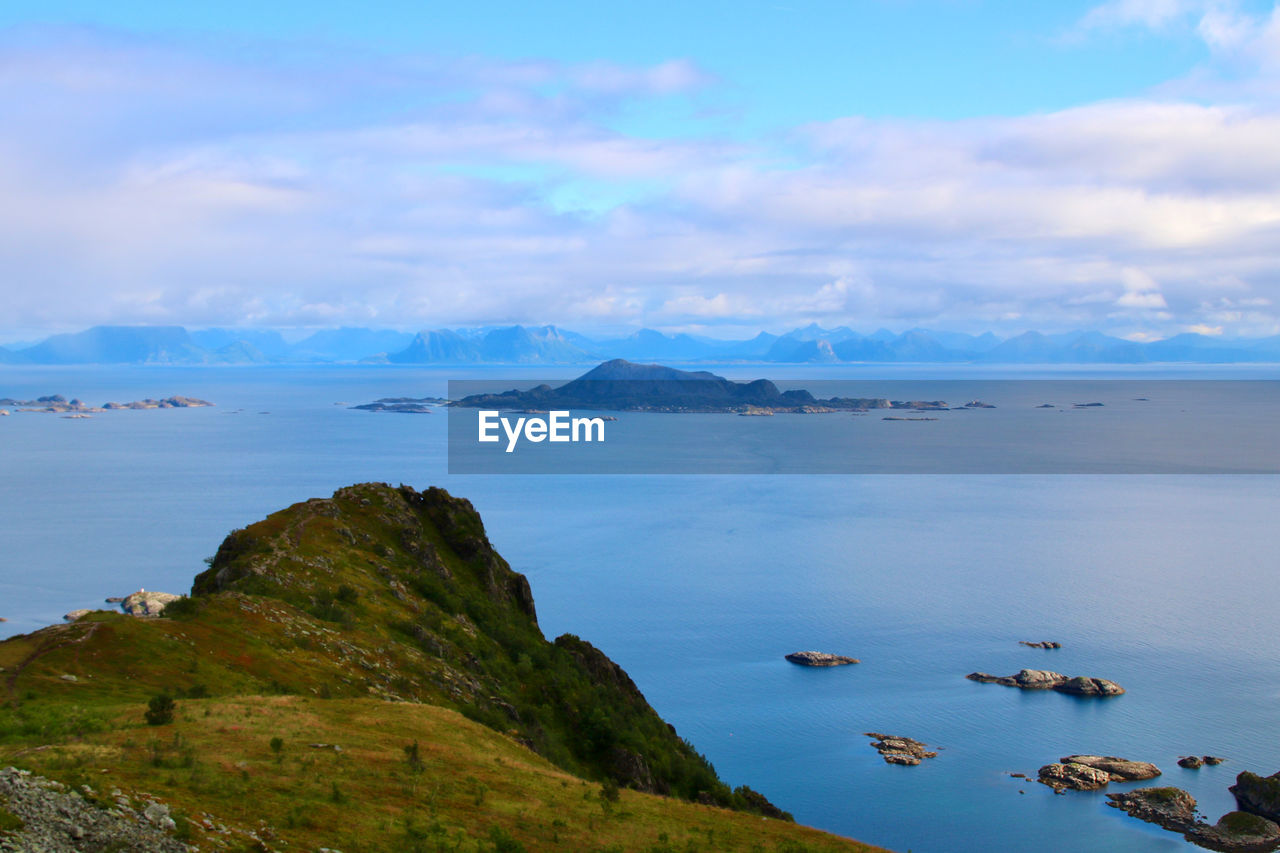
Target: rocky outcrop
1076,777
56,819
1258,795
147,603
1043,644
895,749
76,615
1043,679
1175,810
1091,772
820,659
1172,808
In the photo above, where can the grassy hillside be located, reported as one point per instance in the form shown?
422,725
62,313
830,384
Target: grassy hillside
380,622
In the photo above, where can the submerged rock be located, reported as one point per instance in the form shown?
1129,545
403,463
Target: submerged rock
1043,679
895,749
820,659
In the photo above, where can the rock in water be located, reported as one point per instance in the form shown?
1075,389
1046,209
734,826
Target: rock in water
1091,772
145,603
820,659
1121,769
76,615
1191,762
1043,644
895,749
1043,679
1174,809
1077,777
1258,795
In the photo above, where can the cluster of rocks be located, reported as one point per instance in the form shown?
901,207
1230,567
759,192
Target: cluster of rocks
1043,644
820,659
58,820
1091,772
895,749
1175,810
1043,679
1195,762
141,603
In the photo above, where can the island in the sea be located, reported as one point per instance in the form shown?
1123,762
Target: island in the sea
620,385
57,404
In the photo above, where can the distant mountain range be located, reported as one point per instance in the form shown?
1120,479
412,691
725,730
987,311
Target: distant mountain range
551,345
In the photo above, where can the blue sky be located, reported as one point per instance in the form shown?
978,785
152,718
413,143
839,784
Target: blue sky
714,167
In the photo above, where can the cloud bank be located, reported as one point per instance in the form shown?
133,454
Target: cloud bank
165,181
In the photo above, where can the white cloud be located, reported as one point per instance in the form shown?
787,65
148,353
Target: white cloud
163,183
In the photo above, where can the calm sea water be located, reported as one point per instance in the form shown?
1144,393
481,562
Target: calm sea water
698,586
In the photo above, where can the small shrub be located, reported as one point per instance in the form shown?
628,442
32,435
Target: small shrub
160,710
277,747
413,757
503,842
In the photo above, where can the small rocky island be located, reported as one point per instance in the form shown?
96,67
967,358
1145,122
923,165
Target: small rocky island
1043,679
1042,644
1091,772
404,405
58,404
1175,810
820,659
620,385
895,749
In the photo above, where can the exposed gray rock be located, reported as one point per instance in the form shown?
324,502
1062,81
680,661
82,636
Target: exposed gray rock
1043,679
76,615
1191,762
820,659
59,821
147,603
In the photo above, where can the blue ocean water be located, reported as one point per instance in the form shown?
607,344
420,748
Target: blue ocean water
698,585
